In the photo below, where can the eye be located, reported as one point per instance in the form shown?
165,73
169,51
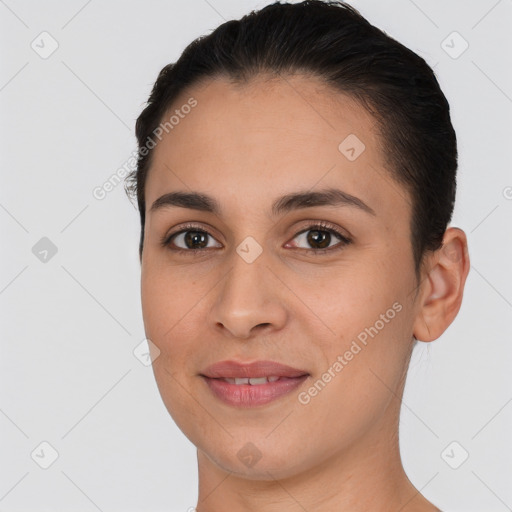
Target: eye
190,239
194,239
319,238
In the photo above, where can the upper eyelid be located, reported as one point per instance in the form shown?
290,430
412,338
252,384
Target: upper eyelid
308,224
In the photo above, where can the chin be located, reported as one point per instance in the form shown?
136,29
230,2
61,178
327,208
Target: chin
258,457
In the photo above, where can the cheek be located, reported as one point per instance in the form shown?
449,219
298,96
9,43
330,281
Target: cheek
170,308
168,298
348,299
366,354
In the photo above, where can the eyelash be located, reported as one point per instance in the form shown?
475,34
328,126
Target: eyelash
318,226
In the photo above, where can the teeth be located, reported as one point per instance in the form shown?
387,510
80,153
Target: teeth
261,380
252,381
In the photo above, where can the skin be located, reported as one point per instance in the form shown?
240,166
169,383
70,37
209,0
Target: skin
247,145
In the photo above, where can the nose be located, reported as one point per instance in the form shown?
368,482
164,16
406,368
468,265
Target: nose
249,299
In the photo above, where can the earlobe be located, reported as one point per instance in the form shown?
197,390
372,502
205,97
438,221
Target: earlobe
443,286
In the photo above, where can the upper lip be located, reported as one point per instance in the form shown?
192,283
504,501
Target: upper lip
234,369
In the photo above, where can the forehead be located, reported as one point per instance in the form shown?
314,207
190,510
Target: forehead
271,135
287,111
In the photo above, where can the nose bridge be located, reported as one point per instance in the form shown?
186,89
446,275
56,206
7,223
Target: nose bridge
248,297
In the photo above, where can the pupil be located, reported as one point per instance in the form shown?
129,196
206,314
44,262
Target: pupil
323,238
192,238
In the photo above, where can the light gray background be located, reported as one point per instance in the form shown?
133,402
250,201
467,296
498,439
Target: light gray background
68,375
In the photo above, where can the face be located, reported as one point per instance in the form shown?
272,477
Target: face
323,283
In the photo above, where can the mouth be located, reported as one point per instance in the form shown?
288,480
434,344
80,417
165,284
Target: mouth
252,384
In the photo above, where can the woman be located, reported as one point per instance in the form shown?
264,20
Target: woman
295,182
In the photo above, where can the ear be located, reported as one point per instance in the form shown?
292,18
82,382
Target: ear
442,286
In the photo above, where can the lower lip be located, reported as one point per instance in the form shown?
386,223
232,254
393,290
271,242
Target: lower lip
247,395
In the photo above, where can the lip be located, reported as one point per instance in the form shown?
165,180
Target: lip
251,395
233,369
248,395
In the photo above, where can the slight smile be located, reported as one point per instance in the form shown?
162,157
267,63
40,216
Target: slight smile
252,384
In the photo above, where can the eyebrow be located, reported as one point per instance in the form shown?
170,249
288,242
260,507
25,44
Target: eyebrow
284,204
